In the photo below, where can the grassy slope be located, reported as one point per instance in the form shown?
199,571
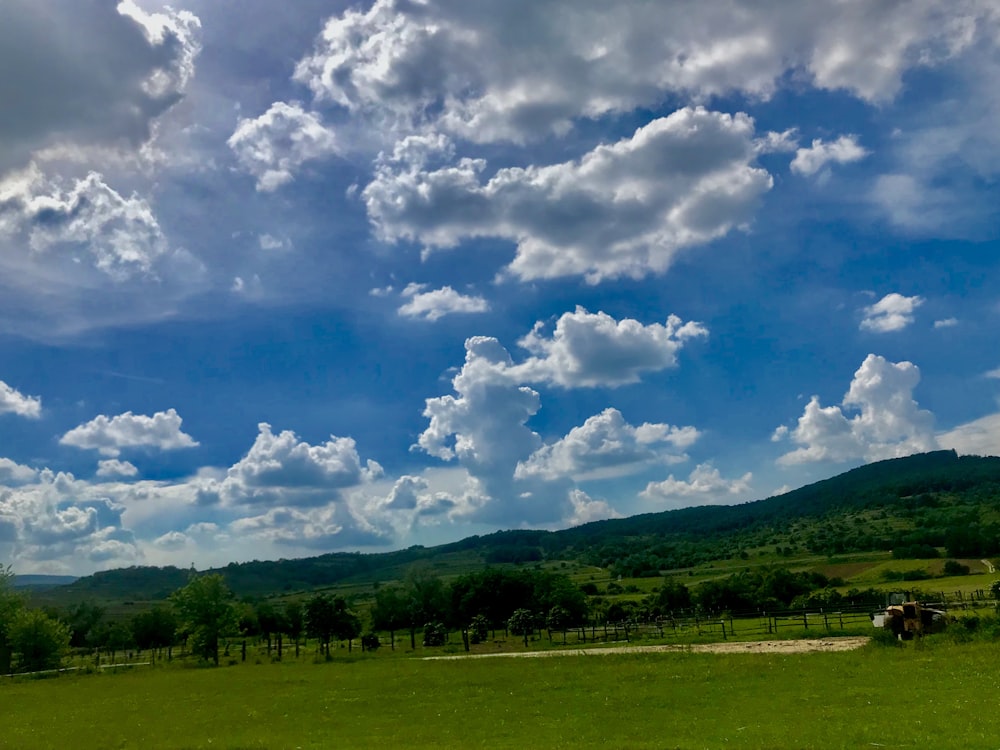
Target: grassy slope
937,695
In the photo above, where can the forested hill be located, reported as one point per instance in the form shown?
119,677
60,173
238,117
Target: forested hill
919,502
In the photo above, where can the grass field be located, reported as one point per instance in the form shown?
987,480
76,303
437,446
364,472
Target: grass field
933,693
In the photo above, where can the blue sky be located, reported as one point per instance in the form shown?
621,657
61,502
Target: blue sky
329,276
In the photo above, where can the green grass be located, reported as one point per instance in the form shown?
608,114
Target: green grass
933,693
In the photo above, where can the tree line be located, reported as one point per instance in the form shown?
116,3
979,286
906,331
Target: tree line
203,614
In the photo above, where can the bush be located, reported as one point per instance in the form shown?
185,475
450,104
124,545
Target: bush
955,568
435,634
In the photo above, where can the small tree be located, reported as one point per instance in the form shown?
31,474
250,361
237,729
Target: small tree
435,634
557,619
205,610
39,641
479,629
522,622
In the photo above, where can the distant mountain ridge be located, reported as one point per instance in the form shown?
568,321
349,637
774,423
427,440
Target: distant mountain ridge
35,581
827,517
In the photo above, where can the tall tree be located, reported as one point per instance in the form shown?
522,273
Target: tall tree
205,609
295,622
321,620
10,604
154,628
426,599
39,641
390,611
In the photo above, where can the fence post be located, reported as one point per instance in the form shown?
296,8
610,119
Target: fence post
723,624
826,622
805,620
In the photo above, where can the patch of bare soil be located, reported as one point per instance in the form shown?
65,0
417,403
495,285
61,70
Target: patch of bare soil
804,646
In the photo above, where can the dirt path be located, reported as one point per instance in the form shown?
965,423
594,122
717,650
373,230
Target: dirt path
804,646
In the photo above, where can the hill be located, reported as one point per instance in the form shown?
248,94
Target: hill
918,504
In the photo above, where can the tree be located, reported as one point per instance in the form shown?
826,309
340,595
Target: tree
557,619
295,622
522,622
479,629
155,628
321,619
205,609
39,641
390,611
10,604
425,599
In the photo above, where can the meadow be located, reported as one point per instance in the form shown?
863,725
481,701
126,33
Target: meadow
934,692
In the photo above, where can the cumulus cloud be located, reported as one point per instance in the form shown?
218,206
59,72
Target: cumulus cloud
484,425
809,161
587,509
86,220
893,312
90,73
437,303
12,401
114,467
607,446
980,437
13,473
284,470
274,145
888,424
704,486
313,528
624,209
526,70
946,323
110,435
593,349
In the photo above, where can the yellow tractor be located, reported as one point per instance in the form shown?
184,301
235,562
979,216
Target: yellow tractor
907,618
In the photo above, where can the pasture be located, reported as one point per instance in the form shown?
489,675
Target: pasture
935,693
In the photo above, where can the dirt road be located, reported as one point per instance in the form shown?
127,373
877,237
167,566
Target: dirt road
804,646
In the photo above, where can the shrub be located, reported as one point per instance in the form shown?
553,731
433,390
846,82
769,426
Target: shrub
955,568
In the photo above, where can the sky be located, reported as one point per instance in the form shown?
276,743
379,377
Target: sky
285,279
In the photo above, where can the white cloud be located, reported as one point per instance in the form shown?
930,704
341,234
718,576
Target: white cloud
88,220
889,422
593,349
995,374
809,161
977,438
525,70
946,323
273,146
114,467
624,209
12,401
705,486
172,540
284,470
586,509
89,74
312,528
893,312
607,446
12,473
437,303
484,425
268,242
110,435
